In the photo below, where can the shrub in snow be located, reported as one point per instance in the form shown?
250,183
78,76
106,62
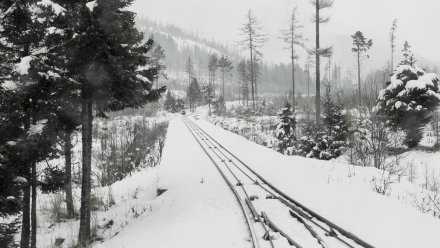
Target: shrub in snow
285,131
409,100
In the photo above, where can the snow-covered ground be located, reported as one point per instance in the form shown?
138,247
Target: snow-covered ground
119,205
199,210
338,191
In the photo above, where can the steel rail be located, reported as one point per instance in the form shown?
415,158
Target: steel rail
254,239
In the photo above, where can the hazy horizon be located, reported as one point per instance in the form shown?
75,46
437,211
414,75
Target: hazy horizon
221,20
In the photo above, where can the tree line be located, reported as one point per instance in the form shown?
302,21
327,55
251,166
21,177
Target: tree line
62,64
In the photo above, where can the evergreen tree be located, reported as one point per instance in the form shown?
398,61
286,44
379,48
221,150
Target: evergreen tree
408,56
180,106
189,69
409,99
212,70
170,102
193,94
219,107
208,95
361,46
335,123
244,77
111,62
27,53
285,131
225,65
328,140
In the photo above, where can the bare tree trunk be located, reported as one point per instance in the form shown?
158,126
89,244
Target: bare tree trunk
68,174
87,124
293,80
359,76
25,226
26,221
252,76
318,76
223,82
34,207
308,93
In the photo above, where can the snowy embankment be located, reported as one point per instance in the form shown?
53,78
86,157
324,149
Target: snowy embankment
122,203
123,200
340,192
197,210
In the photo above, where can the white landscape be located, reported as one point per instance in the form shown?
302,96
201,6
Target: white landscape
219,124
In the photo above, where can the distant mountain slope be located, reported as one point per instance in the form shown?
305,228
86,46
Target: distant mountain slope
179,45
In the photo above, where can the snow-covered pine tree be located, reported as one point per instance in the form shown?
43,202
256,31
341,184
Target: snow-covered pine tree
208,95
285,131
409,99
328,140
11,180
26,55
335,123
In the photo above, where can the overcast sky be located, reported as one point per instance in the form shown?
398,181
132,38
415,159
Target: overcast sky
221,20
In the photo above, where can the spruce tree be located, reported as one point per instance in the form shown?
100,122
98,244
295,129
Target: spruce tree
23,45
409,99
170,102
285,131
244,80
219,107
193,94
208,95
225,66
360,46
212,70
110,60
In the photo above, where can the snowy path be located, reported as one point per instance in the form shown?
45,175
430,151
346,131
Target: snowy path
191,213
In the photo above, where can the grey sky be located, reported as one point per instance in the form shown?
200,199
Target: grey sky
221,19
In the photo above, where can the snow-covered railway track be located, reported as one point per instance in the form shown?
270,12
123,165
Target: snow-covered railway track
268,211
